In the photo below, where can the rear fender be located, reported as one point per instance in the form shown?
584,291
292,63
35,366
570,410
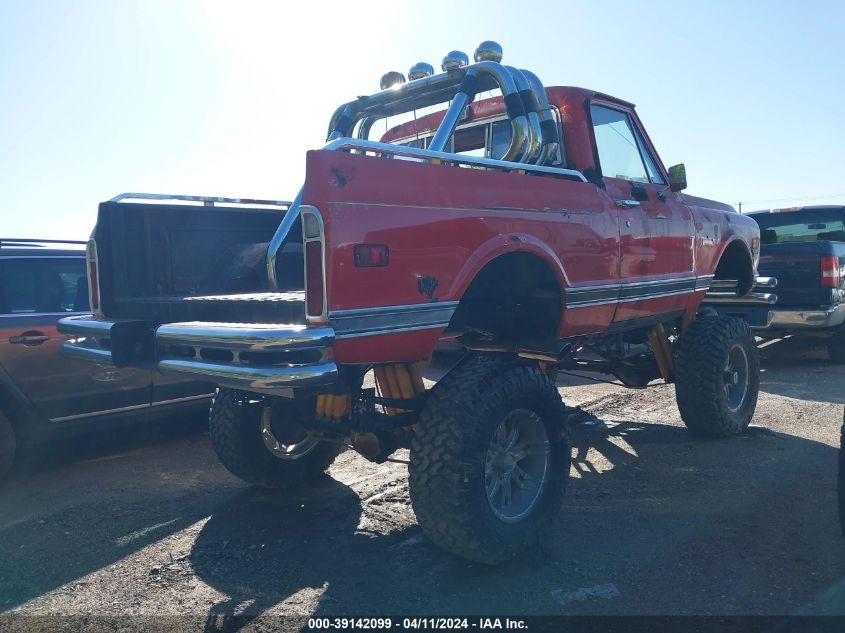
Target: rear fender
502,245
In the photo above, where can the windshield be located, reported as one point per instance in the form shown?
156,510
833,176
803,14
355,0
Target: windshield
801,226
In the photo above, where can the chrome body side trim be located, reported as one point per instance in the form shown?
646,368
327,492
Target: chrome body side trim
606,294
134,407
94,414
202,396
391,319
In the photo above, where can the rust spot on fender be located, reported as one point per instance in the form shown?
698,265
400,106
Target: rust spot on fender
339,178
427,285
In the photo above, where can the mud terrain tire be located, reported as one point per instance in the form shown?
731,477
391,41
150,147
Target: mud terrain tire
714,360
8,445
458,454
235,426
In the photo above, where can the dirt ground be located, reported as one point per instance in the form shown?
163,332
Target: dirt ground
656,522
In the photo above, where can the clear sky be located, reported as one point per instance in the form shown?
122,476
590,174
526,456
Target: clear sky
224,98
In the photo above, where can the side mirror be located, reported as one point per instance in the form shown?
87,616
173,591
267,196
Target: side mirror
677,177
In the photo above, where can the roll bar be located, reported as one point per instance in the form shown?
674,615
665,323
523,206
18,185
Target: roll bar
533,128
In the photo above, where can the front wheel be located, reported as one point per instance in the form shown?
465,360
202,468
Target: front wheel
262,441
490,459
717,376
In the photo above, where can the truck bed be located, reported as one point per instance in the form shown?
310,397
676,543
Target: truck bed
166,263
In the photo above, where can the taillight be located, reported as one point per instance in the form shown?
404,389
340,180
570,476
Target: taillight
93,281
830,271
314,278
313,235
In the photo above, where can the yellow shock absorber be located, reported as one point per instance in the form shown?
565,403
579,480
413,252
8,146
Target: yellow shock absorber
662,349
384,385
416,377
403,379
321,406
400,381
332,406
341,404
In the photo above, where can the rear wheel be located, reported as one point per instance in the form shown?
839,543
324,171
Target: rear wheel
263,442
8,445
717,376
490,459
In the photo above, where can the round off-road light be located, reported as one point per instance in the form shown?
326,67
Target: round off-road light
488,51
391,79
454,60
420,70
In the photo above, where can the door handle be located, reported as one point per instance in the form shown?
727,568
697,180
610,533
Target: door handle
627,203
31,338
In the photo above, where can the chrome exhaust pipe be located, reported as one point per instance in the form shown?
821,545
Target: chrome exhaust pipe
532,109
755,298
548,124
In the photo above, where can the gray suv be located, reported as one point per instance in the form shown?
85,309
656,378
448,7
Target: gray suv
44,395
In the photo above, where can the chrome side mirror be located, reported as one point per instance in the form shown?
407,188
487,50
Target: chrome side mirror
677,177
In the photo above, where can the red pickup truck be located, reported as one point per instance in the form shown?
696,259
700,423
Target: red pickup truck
537,226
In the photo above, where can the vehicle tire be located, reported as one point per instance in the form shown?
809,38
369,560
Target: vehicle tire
8,445
836,347
465,459
717,376
249,435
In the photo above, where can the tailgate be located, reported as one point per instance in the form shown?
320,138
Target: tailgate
797,267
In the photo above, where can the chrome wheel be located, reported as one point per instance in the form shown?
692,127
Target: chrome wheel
735,377
517,465
288,440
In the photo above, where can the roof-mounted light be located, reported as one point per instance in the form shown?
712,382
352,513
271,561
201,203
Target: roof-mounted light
454,60
488,51
420,70
391,79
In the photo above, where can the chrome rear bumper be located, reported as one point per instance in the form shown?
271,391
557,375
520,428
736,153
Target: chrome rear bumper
269,358
807,319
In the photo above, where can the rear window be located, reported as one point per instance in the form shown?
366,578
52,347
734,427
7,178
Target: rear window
801,226
48,285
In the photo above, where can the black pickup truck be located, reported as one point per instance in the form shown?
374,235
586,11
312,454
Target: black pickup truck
804,248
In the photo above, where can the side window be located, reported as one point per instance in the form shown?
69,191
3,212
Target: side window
50,285
622,152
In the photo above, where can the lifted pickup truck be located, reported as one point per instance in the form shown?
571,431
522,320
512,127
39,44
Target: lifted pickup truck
804,248
538,227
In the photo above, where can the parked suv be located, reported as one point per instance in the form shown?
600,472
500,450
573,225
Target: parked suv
42,393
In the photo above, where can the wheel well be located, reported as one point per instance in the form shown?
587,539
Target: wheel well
735,263
515,296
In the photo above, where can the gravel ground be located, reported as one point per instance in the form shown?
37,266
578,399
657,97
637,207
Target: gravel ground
656,522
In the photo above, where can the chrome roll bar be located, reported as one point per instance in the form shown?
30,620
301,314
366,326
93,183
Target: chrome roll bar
529,142
383,149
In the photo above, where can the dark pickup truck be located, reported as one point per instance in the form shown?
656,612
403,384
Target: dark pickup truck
804,248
